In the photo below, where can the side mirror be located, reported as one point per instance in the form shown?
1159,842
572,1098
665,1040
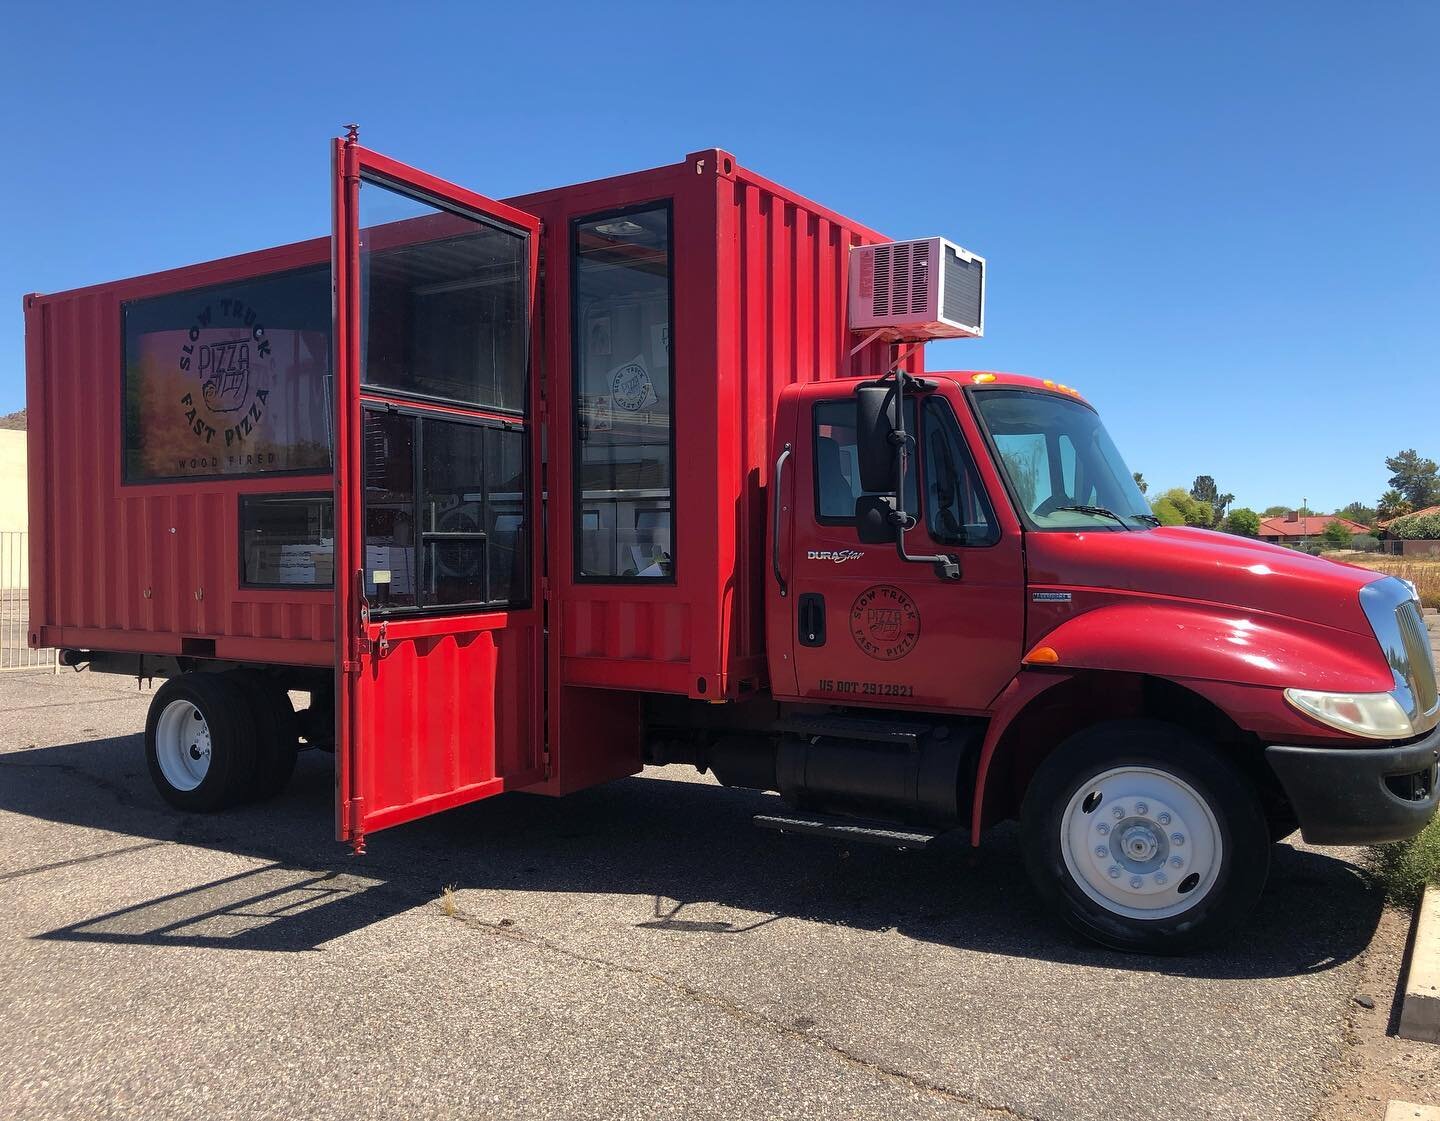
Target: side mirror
874,521
876,418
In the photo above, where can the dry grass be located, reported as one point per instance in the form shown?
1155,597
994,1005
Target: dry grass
1424,574
447,901
1404,868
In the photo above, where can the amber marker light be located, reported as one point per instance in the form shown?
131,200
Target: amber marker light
983,379
1042,656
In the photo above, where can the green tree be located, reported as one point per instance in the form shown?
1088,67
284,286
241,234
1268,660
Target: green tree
1274,511
1416,477
1358,512
1177,507
1205,490
1336,535
1243,522
1140,482
1392,504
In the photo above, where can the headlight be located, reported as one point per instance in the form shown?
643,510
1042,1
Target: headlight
1376,715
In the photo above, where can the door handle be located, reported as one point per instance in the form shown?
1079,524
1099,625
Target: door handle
775,481
812,619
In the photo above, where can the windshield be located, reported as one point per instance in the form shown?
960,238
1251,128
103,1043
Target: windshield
1055,453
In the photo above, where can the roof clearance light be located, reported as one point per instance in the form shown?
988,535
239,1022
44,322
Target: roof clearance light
1049,384
1042,655
983,379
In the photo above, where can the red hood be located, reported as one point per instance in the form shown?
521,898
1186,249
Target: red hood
1202,565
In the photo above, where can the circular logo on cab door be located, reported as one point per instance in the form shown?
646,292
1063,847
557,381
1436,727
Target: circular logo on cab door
884,622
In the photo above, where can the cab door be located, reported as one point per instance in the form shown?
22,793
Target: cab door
439,667
869,628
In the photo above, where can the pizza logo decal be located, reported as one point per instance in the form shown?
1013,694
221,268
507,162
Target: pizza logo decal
884,622
225,337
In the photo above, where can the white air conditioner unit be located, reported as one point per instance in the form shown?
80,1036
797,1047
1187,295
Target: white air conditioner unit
910,291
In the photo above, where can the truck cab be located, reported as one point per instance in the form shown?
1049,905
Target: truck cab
1155,704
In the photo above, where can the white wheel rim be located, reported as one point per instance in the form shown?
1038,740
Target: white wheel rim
1141,843
182,745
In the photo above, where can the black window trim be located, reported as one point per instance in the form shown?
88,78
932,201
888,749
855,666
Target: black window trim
223,477
933,402
577,509
483,219
417,460
261,496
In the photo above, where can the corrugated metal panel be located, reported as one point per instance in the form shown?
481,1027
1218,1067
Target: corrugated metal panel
143,567
789,289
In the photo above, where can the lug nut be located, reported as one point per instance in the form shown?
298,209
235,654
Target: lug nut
1176,862
1141,809
1135,882
1118,812
1103,828
1177,838
1159,877
1101,851
1114,871
1163,818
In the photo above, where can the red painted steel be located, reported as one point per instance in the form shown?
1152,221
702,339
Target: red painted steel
142,567
437,711
960,640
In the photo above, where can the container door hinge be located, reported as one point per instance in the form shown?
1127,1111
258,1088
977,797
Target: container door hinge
354,824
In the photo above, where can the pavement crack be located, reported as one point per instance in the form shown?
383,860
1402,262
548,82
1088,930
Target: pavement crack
747,1016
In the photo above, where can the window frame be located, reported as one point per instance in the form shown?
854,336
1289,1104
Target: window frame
577,502
221,476
934,402
264,496
427,199
417,418
835,520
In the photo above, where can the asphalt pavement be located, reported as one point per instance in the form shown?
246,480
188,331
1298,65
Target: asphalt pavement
637,950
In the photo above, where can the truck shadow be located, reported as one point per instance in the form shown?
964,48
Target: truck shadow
685,845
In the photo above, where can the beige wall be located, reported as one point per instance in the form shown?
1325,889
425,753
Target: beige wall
12,481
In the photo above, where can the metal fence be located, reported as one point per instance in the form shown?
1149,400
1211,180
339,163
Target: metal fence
15,652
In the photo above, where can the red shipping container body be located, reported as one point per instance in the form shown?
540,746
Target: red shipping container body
758,284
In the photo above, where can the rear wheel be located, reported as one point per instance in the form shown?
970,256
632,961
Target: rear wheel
1142,837
277,734
200,742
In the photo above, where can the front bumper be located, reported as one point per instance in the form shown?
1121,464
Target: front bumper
1359,795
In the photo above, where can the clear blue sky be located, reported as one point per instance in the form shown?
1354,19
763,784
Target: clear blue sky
1220,221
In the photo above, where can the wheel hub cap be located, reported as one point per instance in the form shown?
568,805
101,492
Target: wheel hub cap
1141,842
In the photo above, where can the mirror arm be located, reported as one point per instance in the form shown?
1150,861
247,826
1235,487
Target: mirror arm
946,567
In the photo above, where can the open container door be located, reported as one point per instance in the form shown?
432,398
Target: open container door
439,659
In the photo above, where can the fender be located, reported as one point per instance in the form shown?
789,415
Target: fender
1210,642
1192,644
1024,687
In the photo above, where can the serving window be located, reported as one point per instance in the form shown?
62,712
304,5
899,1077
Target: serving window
230,380
621,326
287,540
445,516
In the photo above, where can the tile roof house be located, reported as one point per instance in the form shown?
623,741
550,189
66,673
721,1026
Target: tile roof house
1292,527
1424,510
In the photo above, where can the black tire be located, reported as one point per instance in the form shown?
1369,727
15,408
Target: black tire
230,726
1238,877
277,733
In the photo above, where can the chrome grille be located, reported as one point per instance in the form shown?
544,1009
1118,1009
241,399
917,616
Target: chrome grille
1395,618
1417,653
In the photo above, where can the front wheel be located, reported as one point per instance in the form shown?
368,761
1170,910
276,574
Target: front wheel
1144,838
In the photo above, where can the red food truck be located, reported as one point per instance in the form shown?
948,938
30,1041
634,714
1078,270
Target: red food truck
525,495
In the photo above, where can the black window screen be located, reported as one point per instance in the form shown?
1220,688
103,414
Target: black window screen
445,513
